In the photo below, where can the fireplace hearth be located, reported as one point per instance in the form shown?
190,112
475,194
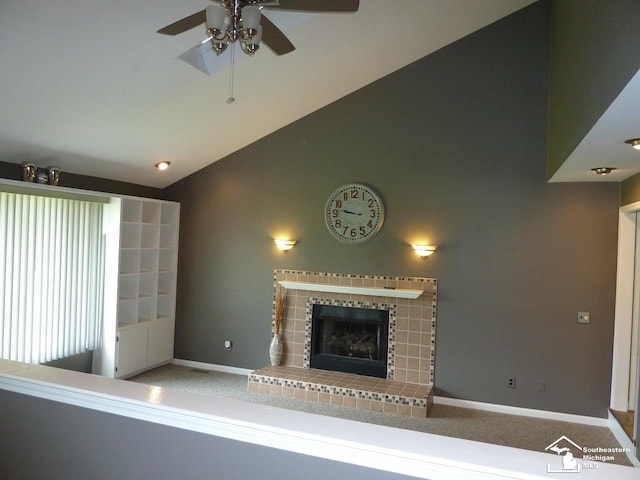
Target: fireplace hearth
350,340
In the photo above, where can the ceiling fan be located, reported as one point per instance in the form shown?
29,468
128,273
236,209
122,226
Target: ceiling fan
230,20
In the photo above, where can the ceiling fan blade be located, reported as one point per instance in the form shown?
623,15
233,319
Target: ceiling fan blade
185,24
273,38
317,5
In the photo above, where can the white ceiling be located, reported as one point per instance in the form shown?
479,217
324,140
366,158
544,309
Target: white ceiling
90,86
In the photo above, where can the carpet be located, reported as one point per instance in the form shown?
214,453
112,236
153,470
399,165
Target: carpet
500,429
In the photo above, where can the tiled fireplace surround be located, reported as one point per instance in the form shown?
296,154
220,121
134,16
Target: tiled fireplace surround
407,390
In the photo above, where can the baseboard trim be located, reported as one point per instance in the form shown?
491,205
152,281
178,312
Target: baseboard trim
211,366
524,412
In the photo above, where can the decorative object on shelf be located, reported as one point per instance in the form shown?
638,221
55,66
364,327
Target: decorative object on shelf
29,172
354,213
42,177
284,245
54,175
424,250
276,347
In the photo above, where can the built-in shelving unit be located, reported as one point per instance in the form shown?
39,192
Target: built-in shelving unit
146,284
139,327
353,290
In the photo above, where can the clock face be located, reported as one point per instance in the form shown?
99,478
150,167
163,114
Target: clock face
354,213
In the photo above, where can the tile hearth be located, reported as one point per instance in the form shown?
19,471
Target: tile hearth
335,388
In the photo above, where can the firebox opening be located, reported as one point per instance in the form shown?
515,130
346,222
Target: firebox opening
350,340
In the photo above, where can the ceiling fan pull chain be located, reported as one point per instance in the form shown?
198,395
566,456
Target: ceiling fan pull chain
231,98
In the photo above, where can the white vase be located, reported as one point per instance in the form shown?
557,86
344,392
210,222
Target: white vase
275,350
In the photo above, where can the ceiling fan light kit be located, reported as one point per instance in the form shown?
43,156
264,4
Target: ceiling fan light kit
227,22
230,21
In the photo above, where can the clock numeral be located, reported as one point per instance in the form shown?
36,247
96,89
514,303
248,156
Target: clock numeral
338,203
345,195
335,212
354,193
338,223
370,224
371,203
353,233
362,231
373,213
344,231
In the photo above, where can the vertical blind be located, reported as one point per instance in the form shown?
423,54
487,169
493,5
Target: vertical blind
51,277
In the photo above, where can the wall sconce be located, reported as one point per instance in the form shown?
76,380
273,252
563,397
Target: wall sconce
284,245
424,250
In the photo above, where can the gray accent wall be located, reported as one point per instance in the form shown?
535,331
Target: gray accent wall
456,145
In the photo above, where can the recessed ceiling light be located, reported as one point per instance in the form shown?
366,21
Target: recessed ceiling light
162,165
634,142
603,170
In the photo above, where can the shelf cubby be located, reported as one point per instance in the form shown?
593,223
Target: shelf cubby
149,235
127,312
128,286
148,260
166,305
130,235
151,213
147,309
129,260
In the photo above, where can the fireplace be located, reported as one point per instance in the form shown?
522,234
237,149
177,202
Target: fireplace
349,339
407,321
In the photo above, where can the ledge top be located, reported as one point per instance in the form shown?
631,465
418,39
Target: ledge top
374,291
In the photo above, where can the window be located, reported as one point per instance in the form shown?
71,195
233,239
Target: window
51,277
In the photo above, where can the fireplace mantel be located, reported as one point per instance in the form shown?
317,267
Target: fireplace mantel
374,291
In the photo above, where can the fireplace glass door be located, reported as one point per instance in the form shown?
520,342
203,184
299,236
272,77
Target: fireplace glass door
350,340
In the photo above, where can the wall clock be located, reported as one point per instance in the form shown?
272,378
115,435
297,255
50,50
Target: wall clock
354,213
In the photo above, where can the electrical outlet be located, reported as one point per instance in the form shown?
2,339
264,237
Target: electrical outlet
511,382
228,344
584,317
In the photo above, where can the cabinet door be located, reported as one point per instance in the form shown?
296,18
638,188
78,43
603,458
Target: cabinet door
131,350
160,343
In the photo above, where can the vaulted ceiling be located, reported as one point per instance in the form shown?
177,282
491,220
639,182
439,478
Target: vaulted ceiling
91,87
